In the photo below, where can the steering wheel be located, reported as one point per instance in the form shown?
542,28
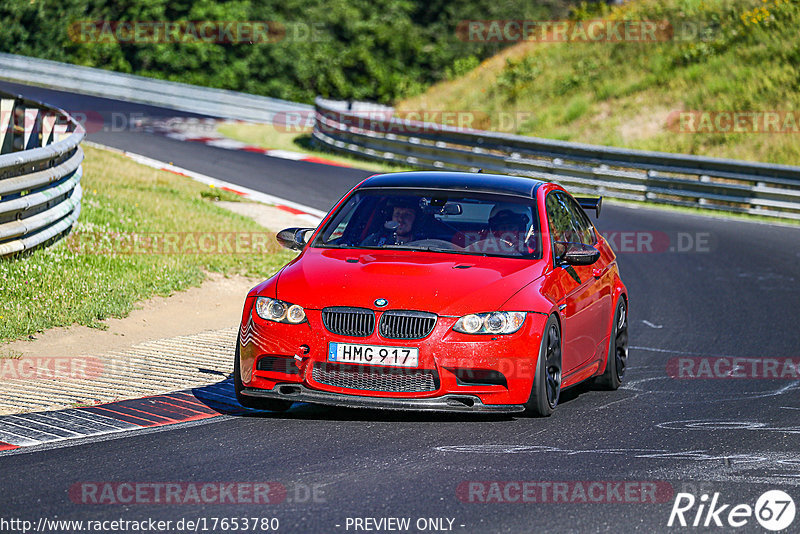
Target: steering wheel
437,243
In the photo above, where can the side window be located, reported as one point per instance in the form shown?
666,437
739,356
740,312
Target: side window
336,229
580,221
567,221
558,218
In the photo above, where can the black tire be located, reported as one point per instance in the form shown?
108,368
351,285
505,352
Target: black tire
546,388
617,357
273,405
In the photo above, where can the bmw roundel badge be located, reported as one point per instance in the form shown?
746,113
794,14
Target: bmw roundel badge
381,302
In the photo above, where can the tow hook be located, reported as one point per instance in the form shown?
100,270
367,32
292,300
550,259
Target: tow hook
300,358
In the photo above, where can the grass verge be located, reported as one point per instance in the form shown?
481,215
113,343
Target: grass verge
97,273
727,56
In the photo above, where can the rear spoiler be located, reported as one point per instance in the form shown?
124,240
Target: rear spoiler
590,204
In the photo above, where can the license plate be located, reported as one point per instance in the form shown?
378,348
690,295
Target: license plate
373,354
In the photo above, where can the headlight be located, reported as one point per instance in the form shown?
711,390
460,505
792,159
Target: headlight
279,311
490,323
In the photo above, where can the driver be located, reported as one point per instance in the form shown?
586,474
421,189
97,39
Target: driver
508,225
405,217
400,228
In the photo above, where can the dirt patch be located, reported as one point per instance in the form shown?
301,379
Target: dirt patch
216,304
648,123
170,343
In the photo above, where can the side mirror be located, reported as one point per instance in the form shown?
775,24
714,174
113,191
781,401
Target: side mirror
578,253
293,238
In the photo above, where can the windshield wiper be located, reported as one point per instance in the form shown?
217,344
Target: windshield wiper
445,250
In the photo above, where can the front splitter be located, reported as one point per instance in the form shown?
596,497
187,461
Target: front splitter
444,403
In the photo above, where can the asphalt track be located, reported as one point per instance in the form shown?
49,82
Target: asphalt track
736,294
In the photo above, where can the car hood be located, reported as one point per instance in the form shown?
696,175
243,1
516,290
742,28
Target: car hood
446,284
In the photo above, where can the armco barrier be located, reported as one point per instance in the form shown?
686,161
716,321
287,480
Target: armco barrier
108,84
40,173
710,183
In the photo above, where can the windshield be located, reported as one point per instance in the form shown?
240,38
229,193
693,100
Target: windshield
438,221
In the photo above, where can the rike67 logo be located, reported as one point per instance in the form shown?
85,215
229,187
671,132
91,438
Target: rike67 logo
774,510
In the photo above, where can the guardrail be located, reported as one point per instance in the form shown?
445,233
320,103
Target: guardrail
709,183
40,173
174,95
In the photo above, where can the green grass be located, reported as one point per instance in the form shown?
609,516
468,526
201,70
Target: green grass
86,278
268,136
623,94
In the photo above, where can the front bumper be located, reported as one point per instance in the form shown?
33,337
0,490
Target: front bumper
446,353
445,403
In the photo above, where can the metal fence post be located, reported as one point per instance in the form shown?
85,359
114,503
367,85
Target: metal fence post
40,191
678,179
33,127
48,128
6,125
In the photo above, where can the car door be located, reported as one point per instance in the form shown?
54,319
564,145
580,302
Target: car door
582,301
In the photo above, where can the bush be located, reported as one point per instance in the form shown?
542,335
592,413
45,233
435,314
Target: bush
379,50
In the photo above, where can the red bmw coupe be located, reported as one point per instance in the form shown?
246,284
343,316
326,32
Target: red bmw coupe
438,291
